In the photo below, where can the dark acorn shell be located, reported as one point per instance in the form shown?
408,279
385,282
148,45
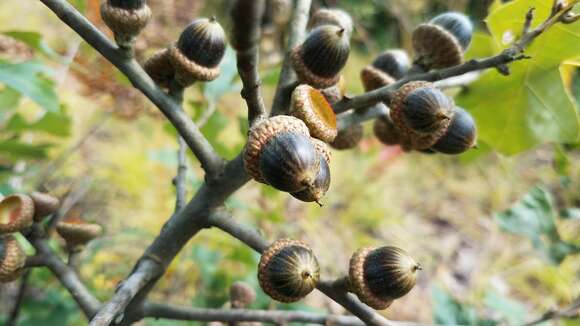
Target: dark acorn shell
319,187
394,62
373,78
203,42
458,25
348,138
127,4
380,275
325,51
288,270
425,109
289,162
461,134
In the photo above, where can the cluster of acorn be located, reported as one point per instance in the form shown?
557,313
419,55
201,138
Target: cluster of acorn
17,214
289,270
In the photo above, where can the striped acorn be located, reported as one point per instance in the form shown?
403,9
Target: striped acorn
332,16
126,18
348,138
288,270
12,258
322,181
77,233
309,105
442,42
16,213
387,68
461,135
198,52
320,58
44,205
380,275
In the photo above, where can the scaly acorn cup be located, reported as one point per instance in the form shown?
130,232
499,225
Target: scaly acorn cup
244,13
261,133
380,275
401,113
12,258
309,105
387,68
77,233
198,52
288,270
126,18
44,205
320,58
159,68
331,16
461,135
348,138
322,181
16,213
442,42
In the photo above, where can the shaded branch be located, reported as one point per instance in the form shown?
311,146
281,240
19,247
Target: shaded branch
33,261
180,178
352,117
210,161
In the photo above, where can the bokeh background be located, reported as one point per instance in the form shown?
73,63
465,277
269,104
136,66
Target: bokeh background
497,230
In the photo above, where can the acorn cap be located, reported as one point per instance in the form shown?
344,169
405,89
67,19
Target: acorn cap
320,58
348,138
331,16
77,232
16,213
435,47
261,133
380,275
322,149
309,105
198,52
460,136
393,62
373,78
241,295
126,24
44,205
12,258
457,24
319,187
288,270
159,68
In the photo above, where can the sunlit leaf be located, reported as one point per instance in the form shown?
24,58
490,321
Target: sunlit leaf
30,79
18,150
33,40
54,123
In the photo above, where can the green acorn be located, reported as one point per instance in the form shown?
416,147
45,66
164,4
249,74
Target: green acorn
288,271
348,138
12,258
461,135
380,275
198,52
126,18
16,213
319,60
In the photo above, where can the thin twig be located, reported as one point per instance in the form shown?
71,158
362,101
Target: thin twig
15,313
569,312
180,178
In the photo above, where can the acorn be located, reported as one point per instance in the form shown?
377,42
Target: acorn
386,132
241,295
322,181
320,58
442,42
461,135
332,16
380,275
44,205
309,105
77,233
198,52
348,138
288,270
126,18
421,113
261,133
387,68
16,213
159,68
12,258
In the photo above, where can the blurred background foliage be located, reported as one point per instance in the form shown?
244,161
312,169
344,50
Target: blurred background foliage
497,230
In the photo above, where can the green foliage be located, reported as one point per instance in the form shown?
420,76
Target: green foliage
29,78
33,40
448,311
531,106
534,217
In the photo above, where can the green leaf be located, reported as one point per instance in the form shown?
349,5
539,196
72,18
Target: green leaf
448,311
33,40
532,105
513,312
570,214
54,123
18,150
29,79
9,99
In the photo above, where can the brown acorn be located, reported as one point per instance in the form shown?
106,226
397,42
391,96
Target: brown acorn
320,58
387,68
380,275
332,16
44,205
288,270
348,138
126,18
16,213
198,52
309,105
321,183
241,295
460,136
159,68
12,258
386,131
77,233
